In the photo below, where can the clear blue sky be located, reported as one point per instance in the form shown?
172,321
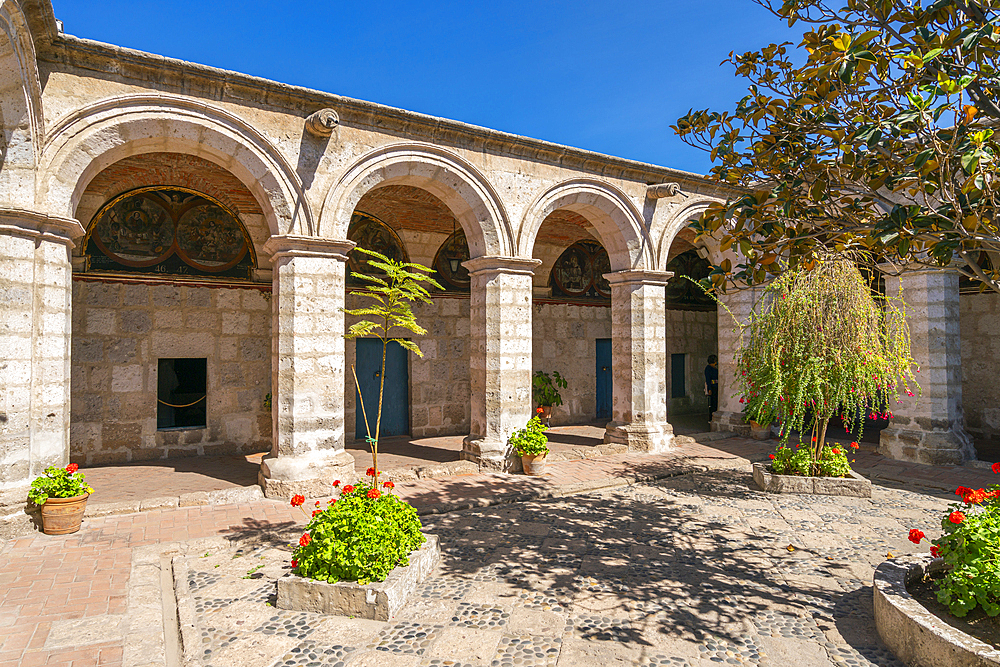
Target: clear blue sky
596,74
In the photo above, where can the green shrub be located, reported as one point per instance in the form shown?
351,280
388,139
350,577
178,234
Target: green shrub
531,439
970,548
58,483
360,536
545,389
832,461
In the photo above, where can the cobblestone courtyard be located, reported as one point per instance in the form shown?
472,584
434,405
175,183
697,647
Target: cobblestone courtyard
692,571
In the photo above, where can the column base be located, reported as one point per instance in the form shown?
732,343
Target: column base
951,447
311,475
490,455
640,437
730,422
15,517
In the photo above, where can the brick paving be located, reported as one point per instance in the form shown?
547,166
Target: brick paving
48,584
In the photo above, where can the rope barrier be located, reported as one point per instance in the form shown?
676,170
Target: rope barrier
182,406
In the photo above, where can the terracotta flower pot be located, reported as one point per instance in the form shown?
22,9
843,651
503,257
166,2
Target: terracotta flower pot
759,432
546,413
533,464
62,516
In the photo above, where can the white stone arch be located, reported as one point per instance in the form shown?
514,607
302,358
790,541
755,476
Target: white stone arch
457,183
20,109
618,222
667,230
93,137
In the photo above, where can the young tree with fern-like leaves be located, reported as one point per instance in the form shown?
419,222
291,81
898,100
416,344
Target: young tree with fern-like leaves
391,292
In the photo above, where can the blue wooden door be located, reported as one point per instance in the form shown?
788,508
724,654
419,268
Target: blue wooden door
604,378
396,396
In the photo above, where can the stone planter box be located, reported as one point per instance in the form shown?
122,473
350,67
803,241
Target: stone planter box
915,635
378,601
855,486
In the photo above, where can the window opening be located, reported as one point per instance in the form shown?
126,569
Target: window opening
181,394
677,364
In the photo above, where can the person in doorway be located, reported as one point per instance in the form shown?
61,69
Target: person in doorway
712,384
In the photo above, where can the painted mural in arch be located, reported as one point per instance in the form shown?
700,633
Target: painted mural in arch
168,231
681,293
578,274
448,269
370,233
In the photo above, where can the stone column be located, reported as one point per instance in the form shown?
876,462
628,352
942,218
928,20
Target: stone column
740,303
638,361
930,428
499,358
307,362
36,323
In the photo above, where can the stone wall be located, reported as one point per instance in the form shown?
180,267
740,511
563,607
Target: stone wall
980,322
693,333
120,331
564,340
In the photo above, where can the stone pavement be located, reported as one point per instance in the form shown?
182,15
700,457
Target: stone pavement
677,571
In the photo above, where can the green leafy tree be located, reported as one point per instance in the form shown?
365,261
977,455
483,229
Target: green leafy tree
876,131
823,345
391,292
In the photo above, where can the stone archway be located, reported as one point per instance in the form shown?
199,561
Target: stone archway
616,219
20,109
462,188
98,135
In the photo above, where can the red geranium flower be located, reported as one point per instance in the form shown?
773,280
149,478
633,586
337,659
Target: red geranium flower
315,512
935,551
317,503
298,500
72,467
539,411
304,540
963,491
835,450
956,517
388,485
295,563
996,467
916,535
772,456
348,488
854,445
336,482
370,472
814,439
373,493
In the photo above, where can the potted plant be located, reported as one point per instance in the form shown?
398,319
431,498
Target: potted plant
823,345
62,494
531,444
545,391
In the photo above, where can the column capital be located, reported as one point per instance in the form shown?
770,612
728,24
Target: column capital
498,264
639,277
31,224
293,245
913,269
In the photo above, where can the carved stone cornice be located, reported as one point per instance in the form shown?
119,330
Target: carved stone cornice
496,264
31,224
639,277
293,245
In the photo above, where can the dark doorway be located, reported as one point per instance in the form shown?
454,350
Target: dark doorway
180,393
604,386
677,367
396,396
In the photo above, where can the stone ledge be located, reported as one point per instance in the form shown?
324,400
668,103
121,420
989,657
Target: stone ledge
855,486
376,601
911,632
239,494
